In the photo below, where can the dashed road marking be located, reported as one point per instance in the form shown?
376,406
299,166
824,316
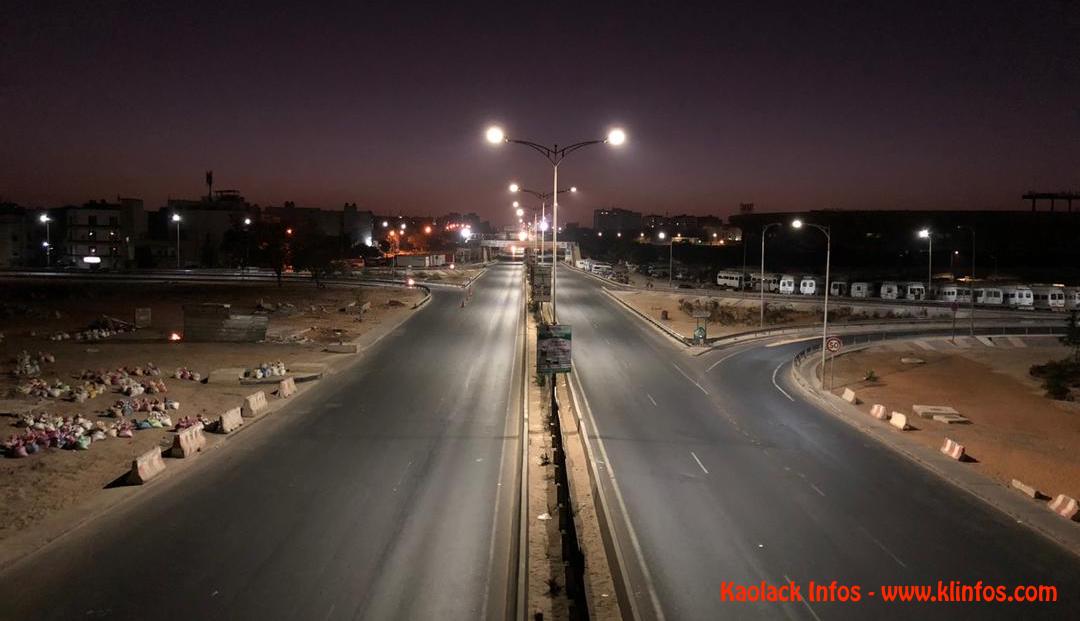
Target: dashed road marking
700,465
700,387
651,399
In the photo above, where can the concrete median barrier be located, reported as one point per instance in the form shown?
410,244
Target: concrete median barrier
286,388
230,420
849,396
1025,489
899,421
188,441
878,412
253,404
1066,507
146,466
953,449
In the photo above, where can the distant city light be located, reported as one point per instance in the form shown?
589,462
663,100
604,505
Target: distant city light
176,217
925,233
44,217
427,229
402,226
385,224
661,235
288,231
522,236
544,225
247,221
174,337
514,187
797,224
92,260
515,204
618,234
466,232
367,241
520,212
573,188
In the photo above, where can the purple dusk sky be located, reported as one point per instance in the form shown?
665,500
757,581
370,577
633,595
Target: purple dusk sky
920,105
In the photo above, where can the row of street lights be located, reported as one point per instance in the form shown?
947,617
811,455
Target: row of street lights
555,155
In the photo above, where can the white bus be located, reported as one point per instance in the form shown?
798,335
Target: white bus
1072,298
838,288
811,285
787,284
1018,296
914,291
862,290
889,291
772,282
601,269
731,280
1052,298
989,296
954,293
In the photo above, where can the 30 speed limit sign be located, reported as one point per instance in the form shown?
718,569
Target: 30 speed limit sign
833,344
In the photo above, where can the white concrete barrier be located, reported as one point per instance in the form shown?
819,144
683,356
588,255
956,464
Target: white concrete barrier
899,421
928,411
230,420
953,449
188,441
878,412
1025,489
849,396
146,466
286,388
253,404
1066,507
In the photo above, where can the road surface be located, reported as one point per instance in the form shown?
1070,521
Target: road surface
726,475
387,494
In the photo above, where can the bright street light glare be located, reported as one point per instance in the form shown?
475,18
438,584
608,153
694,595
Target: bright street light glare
515,204
924,233
176,217
247,221
514,187
385,224
520,212
543,226
573,188
44,217
796,224
402,226
616,137
495,135
662,235
522,236
466,232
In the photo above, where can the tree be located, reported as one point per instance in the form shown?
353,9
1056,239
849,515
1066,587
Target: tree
315,253
1072,335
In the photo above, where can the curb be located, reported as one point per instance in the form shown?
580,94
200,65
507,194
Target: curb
668,331
992,493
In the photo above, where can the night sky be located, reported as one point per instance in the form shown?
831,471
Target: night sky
911,105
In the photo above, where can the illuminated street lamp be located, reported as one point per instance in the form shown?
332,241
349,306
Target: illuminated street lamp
798,224
520,212
555,155
45,219
543,196
385,224
176,218
925,234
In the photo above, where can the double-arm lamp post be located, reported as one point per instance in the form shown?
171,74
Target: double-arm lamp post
555,155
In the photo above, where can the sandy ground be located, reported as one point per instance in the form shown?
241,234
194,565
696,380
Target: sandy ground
455,276
1016,432
739,315
47,483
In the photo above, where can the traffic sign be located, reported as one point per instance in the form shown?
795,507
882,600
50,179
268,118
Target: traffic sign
553,349
833,344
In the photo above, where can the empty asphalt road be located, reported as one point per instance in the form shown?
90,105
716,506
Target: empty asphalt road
724,477
387,494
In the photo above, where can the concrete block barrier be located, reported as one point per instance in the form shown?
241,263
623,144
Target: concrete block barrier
899,421
253,404
849,396
878,412
342,348
146,466
286,388
1025,489
928,411
953,449
188,441
1066,507
230,420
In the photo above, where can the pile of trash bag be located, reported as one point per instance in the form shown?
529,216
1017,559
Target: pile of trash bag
27,365
266,369
71,433
184,373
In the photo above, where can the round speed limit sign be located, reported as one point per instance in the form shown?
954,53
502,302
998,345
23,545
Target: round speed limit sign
833,344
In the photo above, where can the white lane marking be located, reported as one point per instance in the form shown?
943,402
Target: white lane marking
700,465
651,399
717,363
700,387
658,612
817,489
805,603
775,371
883,548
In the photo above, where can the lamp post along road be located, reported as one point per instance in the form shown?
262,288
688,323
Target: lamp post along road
929,237
176,218
555,155
764,229
825,316
45,219
543,196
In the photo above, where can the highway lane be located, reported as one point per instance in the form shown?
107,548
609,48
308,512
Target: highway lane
724,477
387,494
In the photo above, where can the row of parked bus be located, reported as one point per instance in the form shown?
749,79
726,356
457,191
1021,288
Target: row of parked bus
1046,297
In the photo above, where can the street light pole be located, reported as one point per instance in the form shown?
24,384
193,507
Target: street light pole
176,219
671,263
48,239
971,285
928,235
543,196
555,155
825,322
761,282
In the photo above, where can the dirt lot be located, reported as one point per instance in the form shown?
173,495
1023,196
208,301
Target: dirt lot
55,480
1016,432
456,276
728,316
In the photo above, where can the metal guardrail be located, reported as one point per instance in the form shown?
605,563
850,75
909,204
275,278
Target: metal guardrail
886,335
